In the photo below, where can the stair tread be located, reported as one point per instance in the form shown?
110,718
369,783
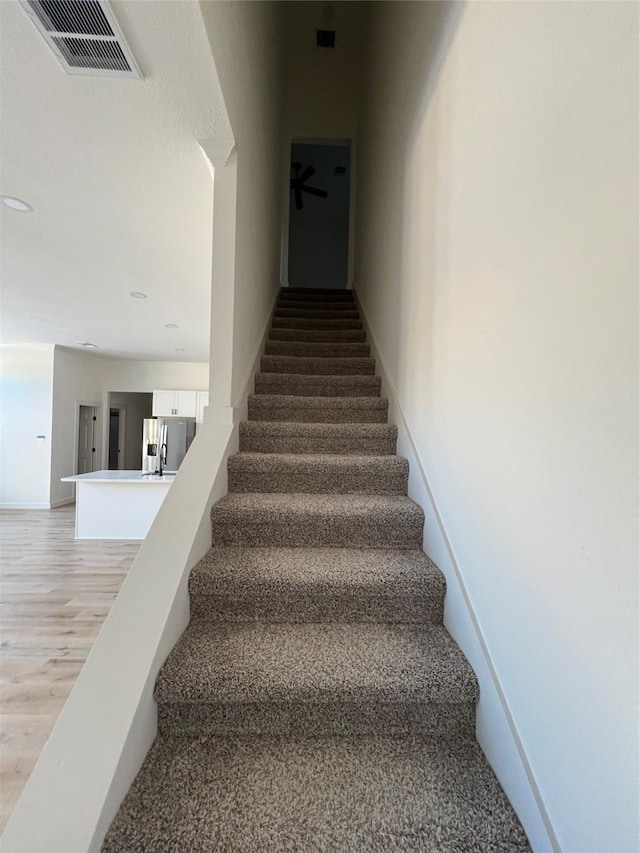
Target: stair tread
324,291
265,506
317,520
319,335
314,323
317,365
309,461
337,465
316,585
318,385
315,663
318,349
335,567
317,313
295,428
339,437
373,794
318,473
313,304
326,402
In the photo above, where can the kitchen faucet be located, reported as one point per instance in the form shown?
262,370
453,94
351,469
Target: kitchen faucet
163,459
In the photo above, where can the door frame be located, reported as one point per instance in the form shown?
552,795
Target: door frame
284,234
122,435
97,435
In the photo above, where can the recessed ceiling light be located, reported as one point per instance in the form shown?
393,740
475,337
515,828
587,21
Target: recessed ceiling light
87,344
16,204
170,325
138,294
179,349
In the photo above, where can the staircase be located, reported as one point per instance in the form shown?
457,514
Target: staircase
316,701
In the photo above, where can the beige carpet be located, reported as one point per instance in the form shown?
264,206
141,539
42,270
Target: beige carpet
316,701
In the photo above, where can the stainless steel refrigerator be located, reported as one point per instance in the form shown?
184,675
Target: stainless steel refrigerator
177,433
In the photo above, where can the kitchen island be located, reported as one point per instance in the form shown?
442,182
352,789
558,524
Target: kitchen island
118,504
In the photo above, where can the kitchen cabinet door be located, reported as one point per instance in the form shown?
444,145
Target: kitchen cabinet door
164,404
186,404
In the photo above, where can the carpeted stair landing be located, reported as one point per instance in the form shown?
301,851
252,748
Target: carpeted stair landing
316,701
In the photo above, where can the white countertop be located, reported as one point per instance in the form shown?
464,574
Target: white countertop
122,477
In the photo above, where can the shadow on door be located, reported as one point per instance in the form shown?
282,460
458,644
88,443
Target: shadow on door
319,214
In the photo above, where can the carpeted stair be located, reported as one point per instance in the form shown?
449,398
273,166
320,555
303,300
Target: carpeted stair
316,701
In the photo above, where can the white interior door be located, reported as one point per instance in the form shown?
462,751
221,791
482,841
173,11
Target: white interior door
87,437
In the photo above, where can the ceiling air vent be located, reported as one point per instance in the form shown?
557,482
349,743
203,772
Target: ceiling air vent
85,37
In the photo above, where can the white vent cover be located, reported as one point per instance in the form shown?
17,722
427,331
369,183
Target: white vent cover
85,37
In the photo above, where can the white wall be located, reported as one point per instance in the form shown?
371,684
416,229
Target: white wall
80,378
323,90
246,44
323,84
76,380
26,382
497,265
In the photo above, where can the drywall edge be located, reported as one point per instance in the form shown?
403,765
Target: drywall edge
496,729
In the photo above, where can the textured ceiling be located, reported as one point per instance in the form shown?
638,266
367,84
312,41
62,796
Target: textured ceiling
121,190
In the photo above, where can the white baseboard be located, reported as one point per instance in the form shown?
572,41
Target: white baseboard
24,506
240,403
53,505
505,751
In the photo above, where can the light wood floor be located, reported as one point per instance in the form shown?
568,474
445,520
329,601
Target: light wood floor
55,593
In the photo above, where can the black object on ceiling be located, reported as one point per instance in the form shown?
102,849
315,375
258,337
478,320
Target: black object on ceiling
299,184
325,38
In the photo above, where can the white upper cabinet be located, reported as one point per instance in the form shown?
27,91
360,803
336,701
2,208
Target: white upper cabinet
175,404
186,403
164,403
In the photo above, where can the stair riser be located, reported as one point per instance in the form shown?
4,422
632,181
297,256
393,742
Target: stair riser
298,385
389,530
302,444
301,314
312,305
316,720
316,293
389,478
267,409
226,602
322,336
310,349
317,366
296,323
